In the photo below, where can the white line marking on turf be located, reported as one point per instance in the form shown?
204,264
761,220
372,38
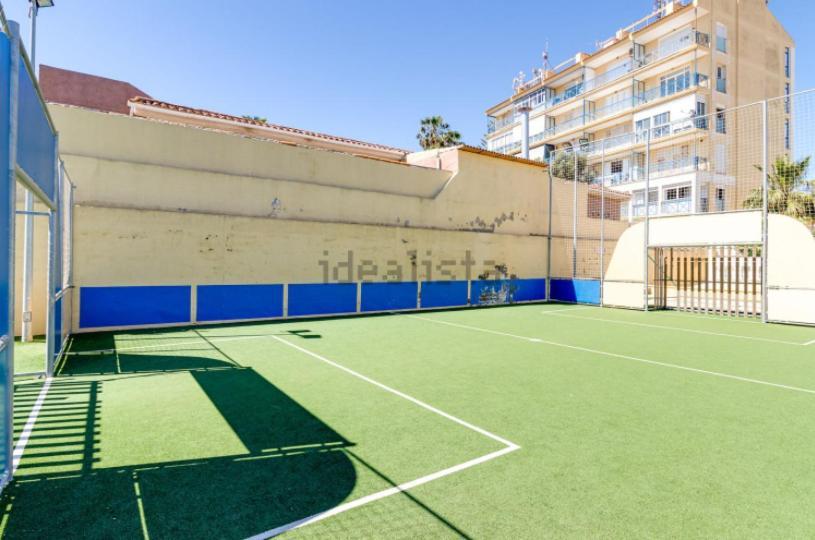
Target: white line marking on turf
19,448
509,447
623,356
382,494
679,329
810,342
545,312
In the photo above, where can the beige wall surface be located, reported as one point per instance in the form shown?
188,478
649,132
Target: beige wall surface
158,203
39,285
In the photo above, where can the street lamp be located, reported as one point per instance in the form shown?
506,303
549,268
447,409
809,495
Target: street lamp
35,7
28,221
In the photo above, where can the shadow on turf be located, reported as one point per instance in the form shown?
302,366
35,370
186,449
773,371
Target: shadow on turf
296,465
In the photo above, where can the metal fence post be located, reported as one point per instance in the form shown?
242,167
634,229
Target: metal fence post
602,219
574,217
549,232
8,424
765,207
647,224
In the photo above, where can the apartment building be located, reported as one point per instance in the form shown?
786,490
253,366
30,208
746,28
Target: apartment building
655,93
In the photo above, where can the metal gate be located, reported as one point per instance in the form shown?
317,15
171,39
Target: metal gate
723,280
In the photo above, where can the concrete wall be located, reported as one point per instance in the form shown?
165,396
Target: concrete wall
163,204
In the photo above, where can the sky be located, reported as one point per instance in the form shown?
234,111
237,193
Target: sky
363,69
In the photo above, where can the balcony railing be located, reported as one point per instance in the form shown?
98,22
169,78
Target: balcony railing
678,206
508,148
498,123
617,107
681,41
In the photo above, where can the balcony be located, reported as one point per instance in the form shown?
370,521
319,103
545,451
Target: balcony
667,208
678,206
508,148
575,122
499,123
634,174
663,169
666,89
679,42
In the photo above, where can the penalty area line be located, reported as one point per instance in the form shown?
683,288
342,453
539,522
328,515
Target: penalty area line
509,447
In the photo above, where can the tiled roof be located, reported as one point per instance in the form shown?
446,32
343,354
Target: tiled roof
256,123
89,91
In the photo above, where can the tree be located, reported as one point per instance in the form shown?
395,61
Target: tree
788,192
563,166
261,119
434,132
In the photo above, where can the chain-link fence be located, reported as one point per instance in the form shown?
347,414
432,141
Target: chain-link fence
615,201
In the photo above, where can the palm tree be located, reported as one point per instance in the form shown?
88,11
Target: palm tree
261,119
434,132
788,192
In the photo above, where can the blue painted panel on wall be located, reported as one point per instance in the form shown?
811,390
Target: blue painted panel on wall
529,290
507,291
490,292
5,251
322,298
437,294
36,143
130,306
233,302
584,291
389,296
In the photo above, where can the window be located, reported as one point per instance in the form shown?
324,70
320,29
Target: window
721,79
787,62
676,82
617,166
720,199
662,125
642,127
787,92
721,121
787,133
677,193
721,37
701,115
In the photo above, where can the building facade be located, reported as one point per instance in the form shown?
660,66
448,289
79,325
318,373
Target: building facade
655,95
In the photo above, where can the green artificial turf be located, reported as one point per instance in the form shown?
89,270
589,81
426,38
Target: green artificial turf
629,424
29,357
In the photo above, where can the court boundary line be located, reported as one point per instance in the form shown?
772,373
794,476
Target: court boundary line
679,329
810,343
509,447
25,435
622,356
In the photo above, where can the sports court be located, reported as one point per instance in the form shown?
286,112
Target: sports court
537,420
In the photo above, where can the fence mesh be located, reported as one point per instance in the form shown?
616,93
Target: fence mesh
707,162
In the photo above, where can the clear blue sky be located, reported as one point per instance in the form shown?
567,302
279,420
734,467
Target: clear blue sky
362,69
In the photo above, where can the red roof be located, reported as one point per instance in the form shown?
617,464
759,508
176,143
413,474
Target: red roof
250,122
88,91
